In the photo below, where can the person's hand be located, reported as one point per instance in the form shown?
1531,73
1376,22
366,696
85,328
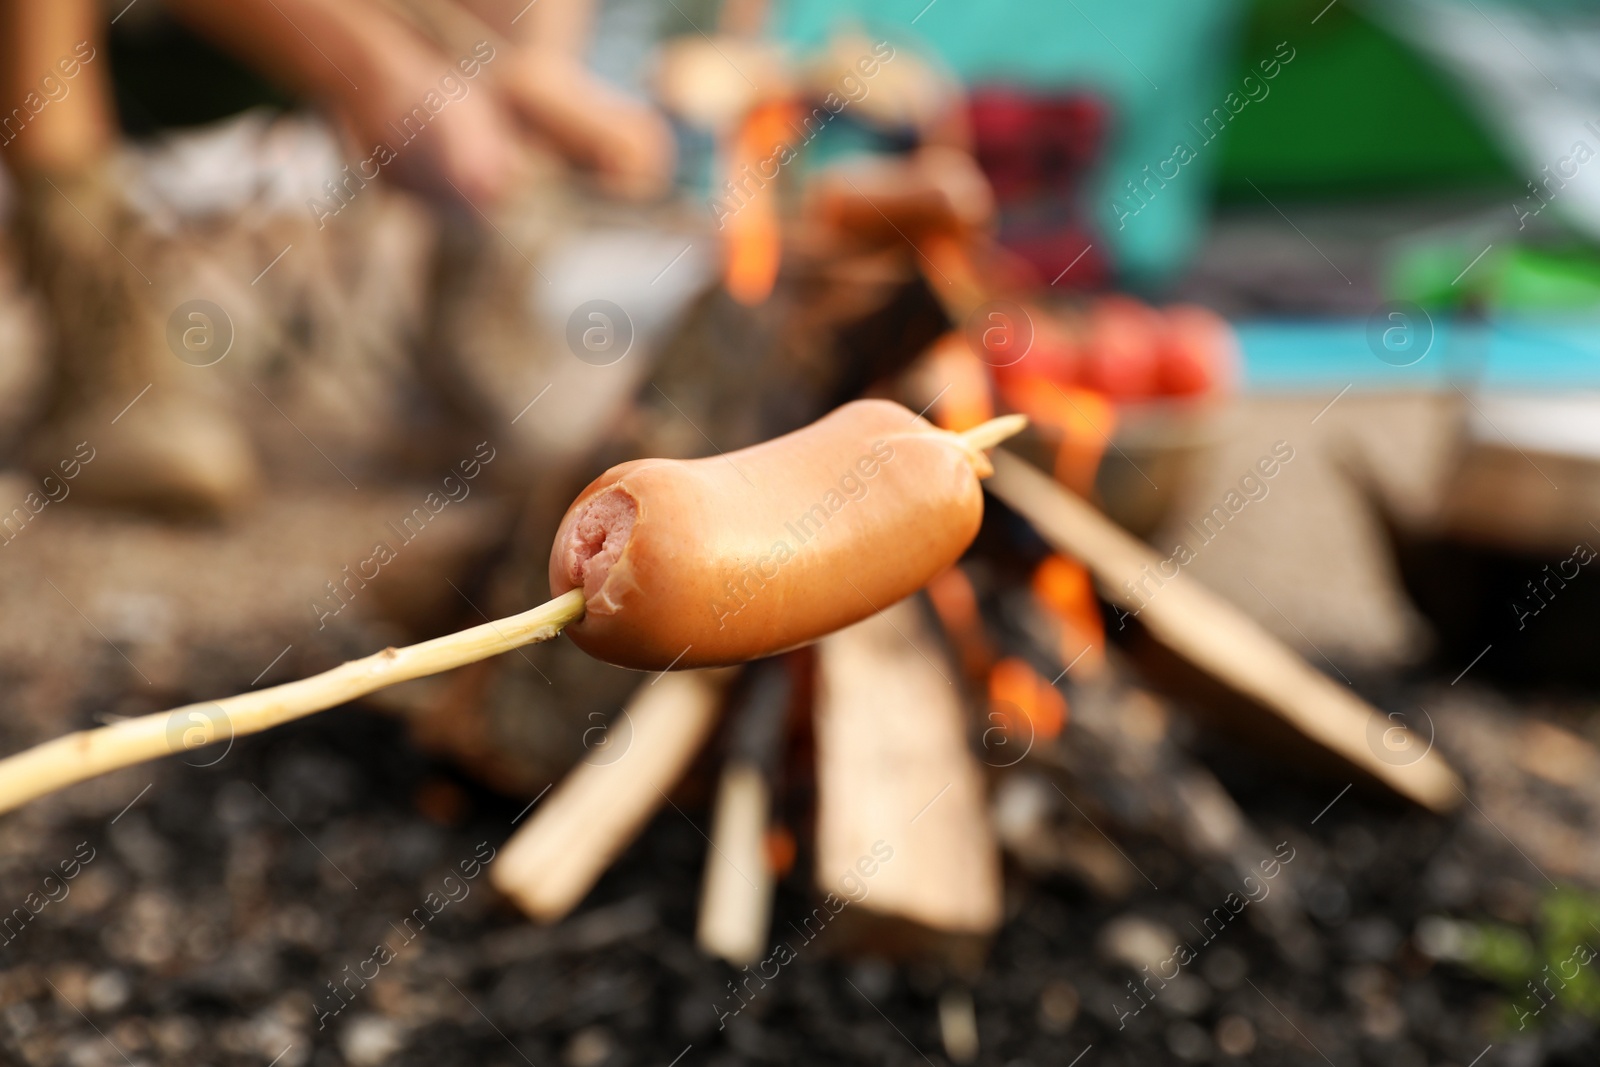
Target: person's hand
624,141
465,146
373,72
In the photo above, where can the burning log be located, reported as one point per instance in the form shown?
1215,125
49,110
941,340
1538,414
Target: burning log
549,865
1219,639
1120,766
902,822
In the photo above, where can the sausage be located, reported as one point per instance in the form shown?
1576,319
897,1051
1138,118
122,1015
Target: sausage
709,562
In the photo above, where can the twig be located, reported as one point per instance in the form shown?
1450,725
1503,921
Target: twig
64,761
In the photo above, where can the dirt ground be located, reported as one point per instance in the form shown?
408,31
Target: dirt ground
220,902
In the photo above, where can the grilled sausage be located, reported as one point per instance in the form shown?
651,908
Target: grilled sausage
708,562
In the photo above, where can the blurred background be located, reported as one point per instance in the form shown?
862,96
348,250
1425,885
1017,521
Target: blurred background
315,315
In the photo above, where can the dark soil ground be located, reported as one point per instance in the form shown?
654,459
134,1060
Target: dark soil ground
221,902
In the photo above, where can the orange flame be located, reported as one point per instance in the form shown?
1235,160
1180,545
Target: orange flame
1065,589
754,241
956,603
1084,419
780,848
1015,685
959,382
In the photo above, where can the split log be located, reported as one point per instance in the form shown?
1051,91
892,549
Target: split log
903,829
1219,639
549,865
736,895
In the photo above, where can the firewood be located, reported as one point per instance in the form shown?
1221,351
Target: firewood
551,863
1120,768
1218,638
1044,836
903,830
958,1025
1120,746
736,895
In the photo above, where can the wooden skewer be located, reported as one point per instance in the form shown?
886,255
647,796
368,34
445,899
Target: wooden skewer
987,435
79,756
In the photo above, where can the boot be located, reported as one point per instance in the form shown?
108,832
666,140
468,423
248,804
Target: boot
123,390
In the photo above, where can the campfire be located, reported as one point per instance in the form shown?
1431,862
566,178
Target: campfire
792,654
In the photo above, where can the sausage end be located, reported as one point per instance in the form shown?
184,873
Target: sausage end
595,539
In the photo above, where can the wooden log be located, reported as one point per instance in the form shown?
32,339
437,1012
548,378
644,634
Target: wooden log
736,894
551,863
903,829
1222,641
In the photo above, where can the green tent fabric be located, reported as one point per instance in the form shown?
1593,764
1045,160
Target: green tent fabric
1360,115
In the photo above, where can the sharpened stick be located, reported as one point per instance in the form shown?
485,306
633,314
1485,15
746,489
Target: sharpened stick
67,760
987,435
1220,639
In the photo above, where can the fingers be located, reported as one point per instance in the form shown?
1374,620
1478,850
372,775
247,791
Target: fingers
625,142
